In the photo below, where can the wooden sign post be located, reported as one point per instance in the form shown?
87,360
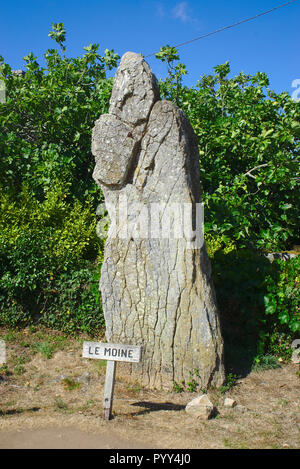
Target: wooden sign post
112,353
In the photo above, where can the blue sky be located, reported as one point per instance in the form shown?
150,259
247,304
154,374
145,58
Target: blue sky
268,44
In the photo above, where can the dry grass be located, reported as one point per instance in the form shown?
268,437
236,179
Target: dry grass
45,393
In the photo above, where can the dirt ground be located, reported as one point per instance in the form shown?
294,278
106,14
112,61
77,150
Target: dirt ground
51,397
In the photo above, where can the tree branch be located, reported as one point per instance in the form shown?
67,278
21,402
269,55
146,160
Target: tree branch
256,167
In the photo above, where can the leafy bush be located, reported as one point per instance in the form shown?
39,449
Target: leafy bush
76,305
190,386
215,243
48,246
249,146
243,280
265,362
282,298
230,382
47,259
45,125
279,343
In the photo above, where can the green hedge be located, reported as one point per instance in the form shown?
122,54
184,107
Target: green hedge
259,304
48,261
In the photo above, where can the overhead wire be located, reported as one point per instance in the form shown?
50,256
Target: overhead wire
228,27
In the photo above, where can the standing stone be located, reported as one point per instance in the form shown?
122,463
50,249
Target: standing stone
156,291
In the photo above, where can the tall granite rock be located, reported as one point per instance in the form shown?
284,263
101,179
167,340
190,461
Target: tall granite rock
156,290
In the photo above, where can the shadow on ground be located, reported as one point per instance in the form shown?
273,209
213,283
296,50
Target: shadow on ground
18,411
155,407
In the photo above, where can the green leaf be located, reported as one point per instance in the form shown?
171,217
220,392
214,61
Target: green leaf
270,304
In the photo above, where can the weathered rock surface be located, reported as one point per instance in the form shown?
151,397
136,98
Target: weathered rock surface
156,292
201,407
283,256
295,359
228,402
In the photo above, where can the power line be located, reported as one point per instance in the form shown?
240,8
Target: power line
228,27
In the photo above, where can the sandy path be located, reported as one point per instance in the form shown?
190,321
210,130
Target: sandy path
64,438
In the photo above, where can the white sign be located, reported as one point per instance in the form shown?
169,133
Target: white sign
115,352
